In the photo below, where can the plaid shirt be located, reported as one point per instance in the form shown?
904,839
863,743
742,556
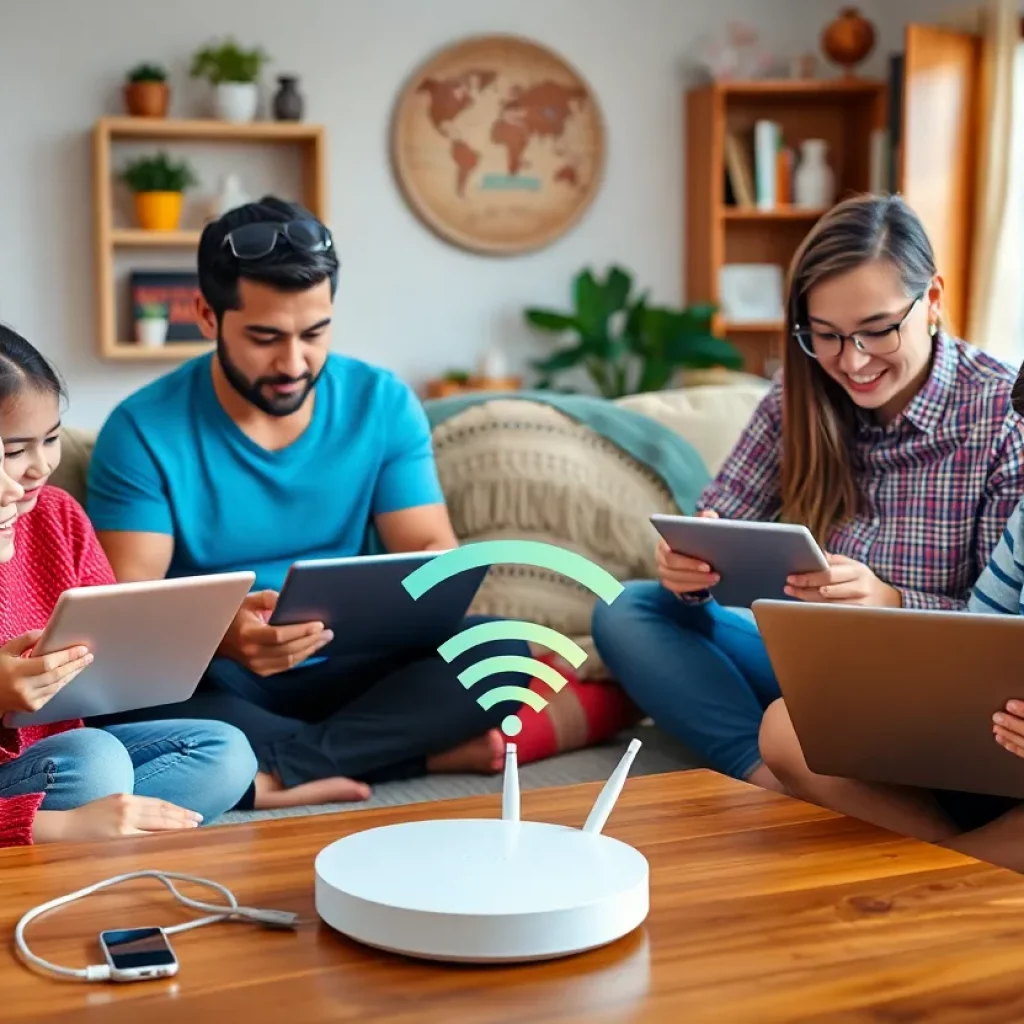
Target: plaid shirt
939,483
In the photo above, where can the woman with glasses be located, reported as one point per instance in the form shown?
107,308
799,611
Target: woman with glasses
892,441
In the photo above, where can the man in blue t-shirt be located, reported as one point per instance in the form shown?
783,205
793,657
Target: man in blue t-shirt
270,450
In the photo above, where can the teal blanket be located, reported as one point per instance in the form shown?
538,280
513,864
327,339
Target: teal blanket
672,458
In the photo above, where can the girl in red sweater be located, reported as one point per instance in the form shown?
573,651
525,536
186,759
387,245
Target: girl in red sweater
65,781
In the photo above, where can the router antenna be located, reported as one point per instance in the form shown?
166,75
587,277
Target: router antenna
510,790
605,801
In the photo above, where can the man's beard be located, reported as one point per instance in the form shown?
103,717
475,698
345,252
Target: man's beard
252,390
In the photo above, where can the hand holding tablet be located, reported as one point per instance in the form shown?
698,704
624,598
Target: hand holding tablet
266,649
738,560
679,572
846,581
28,681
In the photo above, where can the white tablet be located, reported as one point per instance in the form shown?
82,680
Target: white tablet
362,600
151,643
753,559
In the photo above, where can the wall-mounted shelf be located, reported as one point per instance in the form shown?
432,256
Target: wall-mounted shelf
136,237
112,242
843,112
786,213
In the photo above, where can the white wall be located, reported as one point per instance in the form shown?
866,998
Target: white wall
406,299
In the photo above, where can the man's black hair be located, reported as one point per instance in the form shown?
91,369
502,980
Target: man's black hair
285,268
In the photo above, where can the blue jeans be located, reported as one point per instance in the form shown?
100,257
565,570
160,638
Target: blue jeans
374,718
700,671
203,766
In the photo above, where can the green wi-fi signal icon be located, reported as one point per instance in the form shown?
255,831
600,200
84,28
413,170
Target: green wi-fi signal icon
518,552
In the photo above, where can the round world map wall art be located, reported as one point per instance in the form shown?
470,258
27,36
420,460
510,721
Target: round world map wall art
498,145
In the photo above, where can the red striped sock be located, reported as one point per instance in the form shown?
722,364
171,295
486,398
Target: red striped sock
581,715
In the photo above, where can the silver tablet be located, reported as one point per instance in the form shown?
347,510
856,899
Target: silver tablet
753,559
151,643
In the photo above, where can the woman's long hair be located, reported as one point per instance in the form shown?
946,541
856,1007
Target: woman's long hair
819,486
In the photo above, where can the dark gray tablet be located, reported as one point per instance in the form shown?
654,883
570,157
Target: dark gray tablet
753,559
363,601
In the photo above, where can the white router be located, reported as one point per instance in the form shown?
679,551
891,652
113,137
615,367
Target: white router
487,890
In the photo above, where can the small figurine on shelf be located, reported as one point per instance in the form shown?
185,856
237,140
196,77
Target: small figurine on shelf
230,195
146,93
739,56
151,325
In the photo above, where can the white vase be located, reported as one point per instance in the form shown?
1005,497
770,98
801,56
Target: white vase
229,195
236,101
492,365
150,332
814,183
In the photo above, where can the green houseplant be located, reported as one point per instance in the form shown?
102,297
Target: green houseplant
158,183
234,73
624,344
146,93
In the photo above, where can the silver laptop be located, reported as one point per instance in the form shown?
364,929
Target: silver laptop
898,695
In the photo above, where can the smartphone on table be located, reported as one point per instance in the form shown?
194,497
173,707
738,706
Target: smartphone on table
138,954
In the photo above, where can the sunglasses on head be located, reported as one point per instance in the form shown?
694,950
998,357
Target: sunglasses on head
254,241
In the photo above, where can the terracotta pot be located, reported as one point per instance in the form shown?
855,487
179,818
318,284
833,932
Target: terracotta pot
147,99
849,39
158,211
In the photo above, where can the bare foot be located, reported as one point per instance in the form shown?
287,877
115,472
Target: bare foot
484,755
270,792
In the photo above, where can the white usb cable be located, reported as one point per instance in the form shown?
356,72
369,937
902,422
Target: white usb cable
218,912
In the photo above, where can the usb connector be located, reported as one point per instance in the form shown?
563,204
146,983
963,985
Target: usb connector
274,918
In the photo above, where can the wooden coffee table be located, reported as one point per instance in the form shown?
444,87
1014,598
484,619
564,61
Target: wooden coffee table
762,909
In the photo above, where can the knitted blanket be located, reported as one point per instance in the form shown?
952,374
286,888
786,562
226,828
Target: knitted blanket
670,457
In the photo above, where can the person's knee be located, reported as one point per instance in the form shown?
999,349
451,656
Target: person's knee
614,627
230,763
780,748
92,764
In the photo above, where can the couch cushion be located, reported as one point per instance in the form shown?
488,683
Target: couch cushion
76,450
711,417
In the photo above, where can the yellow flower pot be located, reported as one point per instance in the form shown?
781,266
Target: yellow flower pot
158,211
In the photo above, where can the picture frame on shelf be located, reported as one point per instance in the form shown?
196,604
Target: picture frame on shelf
752,292
175,291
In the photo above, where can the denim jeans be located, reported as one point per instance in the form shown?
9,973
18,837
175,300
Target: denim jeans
700,671
203,766
374,718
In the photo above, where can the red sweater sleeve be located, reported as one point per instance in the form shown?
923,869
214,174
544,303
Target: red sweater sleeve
17,815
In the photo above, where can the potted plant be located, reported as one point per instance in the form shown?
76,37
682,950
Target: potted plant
158,183
146,93
625,345
233,72
151,324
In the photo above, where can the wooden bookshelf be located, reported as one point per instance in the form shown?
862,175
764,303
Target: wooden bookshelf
111,240
843,112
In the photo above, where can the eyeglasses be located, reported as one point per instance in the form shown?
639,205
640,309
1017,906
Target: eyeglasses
882,341
254,241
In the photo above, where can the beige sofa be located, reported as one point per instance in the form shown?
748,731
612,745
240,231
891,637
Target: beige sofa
515,468
518,468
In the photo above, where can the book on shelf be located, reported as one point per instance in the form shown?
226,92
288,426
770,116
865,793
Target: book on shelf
759,168
767,140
